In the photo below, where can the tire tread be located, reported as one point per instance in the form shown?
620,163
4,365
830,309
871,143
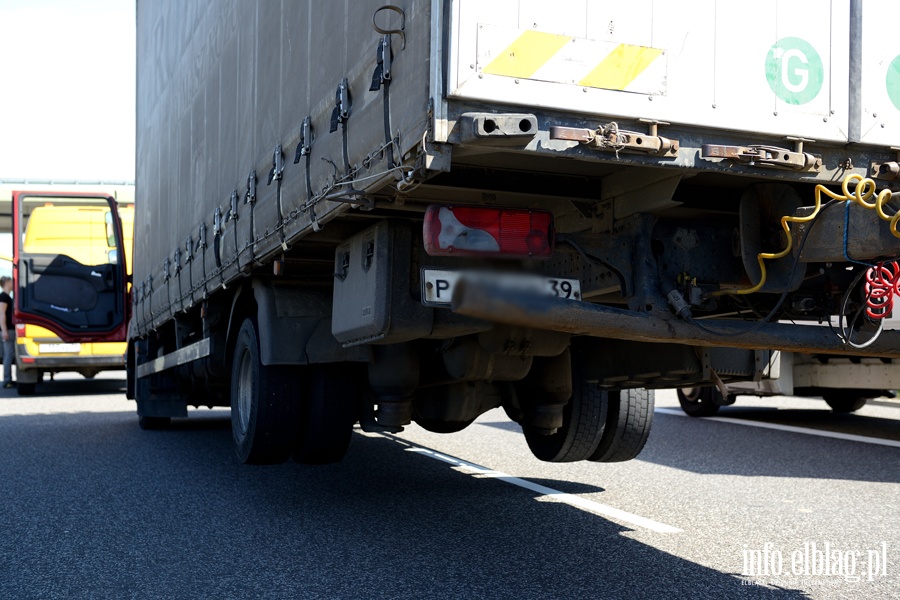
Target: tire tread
587,411
273,417
629,420
329,412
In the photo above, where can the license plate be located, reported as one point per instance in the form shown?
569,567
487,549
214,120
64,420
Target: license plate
59,348
438,285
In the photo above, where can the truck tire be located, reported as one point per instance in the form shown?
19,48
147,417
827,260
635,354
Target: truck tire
698,401
584,418
25,389
629,417
329,410
263,413
844,401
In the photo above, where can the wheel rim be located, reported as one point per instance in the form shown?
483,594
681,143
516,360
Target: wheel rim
245,392
691,394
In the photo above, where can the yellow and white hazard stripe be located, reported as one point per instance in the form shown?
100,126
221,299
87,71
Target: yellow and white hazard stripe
541,56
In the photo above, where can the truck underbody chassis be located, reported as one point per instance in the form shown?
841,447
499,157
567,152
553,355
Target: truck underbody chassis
656,304
456,234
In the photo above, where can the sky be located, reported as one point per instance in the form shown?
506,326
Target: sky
67,99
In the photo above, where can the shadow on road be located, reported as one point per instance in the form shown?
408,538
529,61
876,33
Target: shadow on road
71,387
750,451
884,428
504,425
201,423
92,505
703,446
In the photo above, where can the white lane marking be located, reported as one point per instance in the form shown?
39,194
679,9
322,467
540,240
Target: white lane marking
547,493
790,428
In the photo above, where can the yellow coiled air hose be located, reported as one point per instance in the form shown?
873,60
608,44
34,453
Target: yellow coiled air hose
861,194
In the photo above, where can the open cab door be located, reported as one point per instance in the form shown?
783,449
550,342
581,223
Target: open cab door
69,266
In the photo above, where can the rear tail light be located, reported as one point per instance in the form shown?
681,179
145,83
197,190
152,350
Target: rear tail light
475,231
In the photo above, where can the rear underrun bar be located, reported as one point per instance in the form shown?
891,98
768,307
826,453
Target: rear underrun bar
492,303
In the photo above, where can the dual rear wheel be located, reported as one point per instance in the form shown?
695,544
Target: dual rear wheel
598,425
280,411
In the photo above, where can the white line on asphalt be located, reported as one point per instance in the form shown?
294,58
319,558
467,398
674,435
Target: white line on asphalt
790,428
547,493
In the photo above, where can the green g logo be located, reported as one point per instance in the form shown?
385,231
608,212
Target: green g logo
893,82
794,70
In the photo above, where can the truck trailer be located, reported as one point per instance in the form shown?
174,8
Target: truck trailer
845,383
356,212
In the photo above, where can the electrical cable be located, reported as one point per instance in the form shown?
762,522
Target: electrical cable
847,333
861,194
882,284
784,293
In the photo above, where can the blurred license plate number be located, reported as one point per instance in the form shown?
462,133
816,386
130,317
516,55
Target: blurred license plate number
59,348
438,286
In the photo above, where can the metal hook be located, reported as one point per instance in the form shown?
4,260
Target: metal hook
400,31
351,196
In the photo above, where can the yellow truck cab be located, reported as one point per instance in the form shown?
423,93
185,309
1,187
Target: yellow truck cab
85,234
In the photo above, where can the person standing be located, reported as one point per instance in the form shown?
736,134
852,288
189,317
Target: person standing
8,330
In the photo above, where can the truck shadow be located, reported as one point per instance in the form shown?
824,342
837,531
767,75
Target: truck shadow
735,449
207,422
826,420
383,523
221,420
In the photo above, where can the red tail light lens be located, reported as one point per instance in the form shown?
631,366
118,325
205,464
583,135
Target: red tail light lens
468,231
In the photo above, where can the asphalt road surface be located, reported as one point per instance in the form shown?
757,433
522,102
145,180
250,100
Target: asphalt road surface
90,506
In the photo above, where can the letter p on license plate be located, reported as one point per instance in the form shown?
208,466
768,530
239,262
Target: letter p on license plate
438,285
